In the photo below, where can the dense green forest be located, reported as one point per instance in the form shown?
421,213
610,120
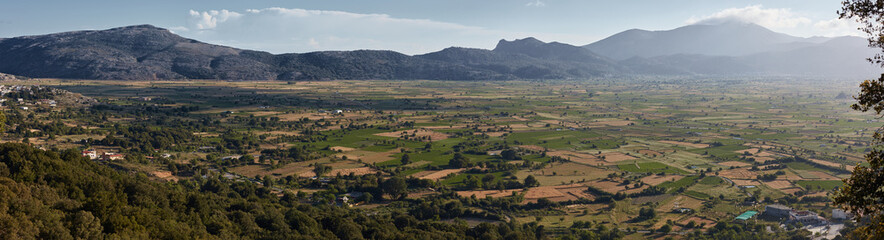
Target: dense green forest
50,195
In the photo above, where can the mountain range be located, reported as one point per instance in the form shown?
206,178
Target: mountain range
145,52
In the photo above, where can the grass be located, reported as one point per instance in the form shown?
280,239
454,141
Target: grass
697,195
564,139
684,182
650,167
820,184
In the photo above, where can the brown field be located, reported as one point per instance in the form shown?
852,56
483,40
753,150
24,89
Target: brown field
577,157
368,156
614,187
708,223
342,171
484,193
763,160
824,176
436,175
739,182
613,123
693,145
738,173
765,154
288,169
561,173
553,193
650,153
284,133
613,157
532,147
734,164
434,136
791,190
831,164
557,193
750,151
683,202
165,175
341,149
299,116
779,184
654,180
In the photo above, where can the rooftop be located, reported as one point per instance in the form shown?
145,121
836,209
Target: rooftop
746,215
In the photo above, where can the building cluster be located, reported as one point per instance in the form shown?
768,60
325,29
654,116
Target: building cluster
801,216
4,90
106,156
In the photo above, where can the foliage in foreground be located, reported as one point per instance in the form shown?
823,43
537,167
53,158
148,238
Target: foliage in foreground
49,195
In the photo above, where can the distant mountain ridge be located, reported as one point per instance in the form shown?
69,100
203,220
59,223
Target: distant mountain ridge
147,52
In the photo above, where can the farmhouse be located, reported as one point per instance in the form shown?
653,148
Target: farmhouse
777,210
91,154
109,156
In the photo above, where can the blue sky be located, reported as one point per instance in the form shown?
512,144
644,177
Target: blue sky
409,26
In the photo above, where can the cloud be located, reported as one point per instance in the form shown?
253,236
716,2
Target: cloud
773,18
284,30
782,20
837,27
536,3
210,19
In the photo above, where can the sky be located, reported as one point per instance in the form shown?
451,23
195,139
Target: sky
410,26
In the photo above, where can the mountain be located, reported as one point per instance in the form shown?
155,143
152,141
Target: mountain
731,38
735,48
145,52
530,58
148,52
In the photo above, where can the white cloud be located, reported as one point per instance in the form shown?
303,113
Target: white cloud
210,19
536,3
837,27
773,18
782,20
284,30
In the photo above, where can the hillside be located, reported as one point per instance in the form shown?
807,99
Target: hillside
146,52
50,195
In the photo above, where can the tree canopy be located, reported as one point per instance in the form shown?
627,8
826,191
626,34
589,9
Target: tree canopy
862,193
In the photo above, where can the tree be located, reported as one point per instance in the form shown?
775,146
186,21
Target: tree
860,194
2,122
320,169
530,181
405,159
459,161
509,154
396,187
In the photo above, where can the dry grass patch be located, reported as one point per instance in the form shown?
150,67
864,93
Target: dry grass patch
779,184
485,193
614,123
734,164
831,164
693,145
343,172
650,153
532,147
577,157
342,149
740,182
436,175
614,186
655,180
165,175
417,133
738,173
613,157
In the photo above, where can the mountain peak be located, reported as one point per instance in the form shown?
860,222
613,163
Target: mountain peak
720,37
518,44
